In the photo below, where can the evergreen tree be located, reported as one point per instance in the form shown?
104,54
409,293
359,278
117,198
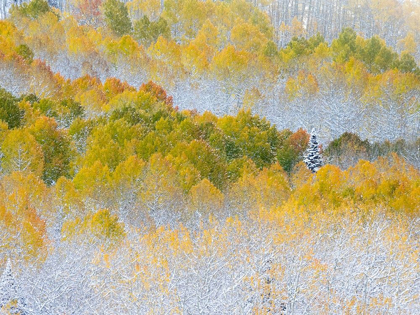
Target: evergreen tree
116,17
313,158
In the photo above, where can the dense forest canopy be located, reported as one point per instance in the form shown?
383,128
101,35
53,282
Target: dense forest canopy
226,56
154,157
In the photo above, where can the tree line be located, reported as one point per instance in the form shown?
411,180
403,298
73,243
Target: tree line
221,65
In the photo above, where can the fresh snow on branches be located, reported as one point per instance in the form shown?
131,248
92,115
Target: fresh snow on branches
313,158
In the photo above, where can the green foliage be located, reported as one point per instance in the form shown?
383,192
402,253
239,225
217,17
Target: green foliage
9,110
292,147
238,167
25,52
248,135
147,31
70,111
385,59
373,52
64,112
377,56
32,9
407,64
212,146
347,145
348,149
315,41
56,147
372,49
116,17
111,154
79,131
385,148
46,107
302,46
105,225
144,123
204,159
129,114
346,139
31,98
270,49
345,46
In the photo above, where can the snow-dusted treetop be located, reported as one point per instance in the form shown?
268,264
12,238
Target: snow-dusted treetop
313,157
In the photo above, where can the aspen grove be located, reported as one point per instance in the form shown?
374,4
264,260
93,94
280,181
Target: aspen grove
209,157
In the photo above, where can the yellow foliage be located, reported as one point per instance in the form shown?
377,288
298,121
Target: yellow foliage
206,198
247,37
22,153
23,210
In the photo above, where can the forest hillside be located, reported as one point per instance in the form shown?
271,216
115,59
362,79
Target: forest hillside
209,157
